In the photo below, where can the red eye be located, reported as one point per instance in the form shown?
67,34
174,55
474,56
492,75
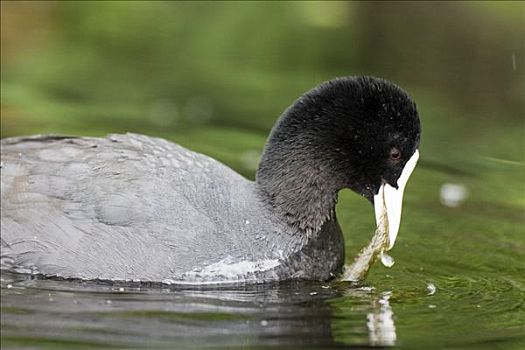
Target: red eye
395,154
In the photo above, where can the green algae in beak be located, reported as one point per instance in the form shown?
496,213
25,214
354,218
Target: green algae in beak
387,205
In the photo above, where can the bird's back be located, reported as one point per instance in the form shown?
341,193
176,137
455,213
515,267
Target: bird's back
132,207
121,207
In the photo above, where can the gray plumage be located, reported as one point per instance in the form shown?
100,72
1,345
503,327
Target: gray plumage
131,207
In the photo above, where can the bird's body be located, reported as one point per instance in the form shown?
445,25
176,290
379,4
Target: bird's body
132,207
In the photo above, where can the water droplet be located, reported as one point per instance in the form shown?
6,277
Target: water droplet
386,259
452,195
431,289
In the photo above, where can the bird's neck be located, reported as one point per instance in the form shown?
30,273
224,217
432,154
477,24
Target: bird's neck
303,193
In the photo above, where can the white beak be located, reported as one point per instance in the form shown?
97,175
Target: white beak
388,201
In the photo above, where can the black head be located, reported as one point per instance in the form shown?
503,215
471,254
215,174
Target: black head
355,132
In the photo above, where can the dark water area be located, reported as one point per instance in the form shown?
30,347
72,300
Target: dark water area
60,314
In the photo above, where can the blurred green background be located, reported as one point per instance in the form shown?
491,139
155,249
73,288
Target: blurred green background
214,77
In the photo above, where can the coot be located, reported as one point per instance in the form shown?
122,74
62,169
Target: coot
133,207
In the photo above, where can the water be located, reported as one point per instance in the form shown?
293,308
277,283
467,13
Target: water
291,314
60,314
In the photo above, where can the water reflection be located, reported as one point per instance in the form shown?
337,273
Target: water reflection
381,327
453,195
362,316
284,315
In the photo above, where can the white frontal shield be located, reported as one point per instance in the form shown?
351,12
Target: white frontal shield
388,201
